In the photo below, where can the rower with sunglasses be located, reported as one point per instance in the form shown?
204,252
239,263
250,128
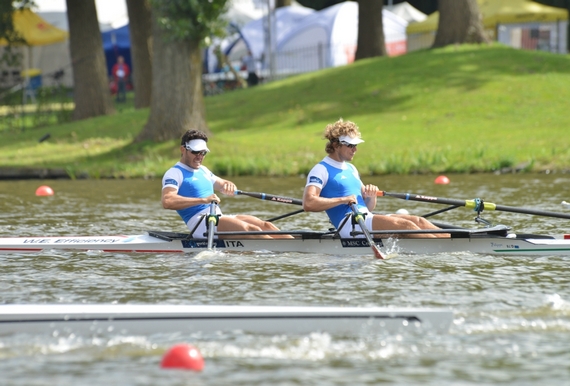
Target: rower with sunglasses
188,187
334,184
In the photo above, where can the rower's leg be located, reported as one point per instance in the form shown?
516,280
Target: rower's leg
234,224
422,223
396,222
263,225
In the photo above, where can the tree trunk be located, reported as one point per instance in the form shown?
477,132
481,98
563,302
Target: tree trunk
177,101
282,3
459,22
91,85
370,30
141,40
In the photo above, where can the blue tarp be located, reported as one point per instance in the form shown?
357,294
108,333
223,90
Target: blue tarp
117,42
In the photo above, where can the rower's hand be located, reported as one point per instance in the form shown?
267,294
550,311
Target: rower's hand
212,197
350,199
370,191
229,189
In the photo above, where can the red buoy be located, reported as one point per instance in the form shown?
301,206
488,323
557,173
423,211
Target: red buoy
44,190
443,180
183,356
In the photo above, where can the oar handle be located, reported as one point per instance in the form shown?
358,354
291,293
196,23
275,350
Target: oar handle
270,197
475,204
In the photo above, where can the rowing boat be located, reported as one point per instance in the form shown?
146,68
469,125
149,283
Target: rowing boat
135,319
492,241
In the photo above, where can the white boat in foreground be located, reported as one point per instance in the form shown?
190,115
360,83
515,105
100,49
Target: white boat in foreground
135,319
493,241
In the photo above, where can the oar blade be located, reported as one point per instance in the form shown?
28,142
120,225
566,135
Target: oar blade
377,252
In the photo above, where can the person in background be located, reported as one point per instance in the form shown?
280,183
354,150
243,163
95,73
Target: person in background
333,184
188,187
121,72
250,67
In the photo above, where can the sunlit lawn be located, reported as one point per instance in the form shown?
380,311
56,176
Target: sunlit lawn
467,109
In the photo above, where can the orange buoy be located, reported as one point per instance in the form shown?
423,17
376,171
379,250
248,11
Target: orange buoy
442,180
183,356
44,190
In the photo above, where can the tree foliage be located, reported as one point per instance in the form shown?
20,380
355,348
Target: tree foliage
555,3
179,28
7,31
186,20
426,6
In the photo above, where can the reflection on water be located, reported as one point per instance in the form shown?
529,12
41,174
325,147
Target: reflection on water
511,314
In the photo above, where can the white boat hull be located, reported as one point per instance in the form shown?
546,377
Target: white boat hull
137,319
308,242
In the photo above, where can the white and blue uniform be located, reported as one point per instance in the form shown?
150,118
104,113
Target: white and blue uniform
339,179
191,183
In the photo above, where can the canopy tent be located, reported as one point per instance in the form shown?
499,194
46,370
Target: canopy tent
307,40
500,12
252,36
241,12
35,30
54,60
407,12
328,38
117,42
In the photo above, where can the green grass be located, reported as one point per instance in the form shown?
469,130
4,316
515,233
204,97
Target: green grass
459,109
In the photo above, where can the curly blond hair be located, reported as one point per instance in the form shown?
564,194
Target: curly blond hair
335,130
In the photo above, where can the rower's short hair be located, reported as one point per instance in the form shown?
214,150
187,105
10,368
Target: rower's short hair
337,129
193,134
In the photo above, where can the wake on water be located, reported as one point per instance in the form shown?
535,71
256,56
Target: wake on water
209,254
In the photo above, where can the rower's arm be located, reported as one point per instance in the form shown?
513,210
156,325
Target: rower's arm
172,200
313,202
225,186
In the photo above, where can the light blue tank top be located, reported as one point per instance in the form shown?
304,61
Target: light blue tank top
194,184
341,183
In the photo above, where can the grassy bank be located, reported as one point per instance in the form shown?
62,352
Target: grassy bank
466,109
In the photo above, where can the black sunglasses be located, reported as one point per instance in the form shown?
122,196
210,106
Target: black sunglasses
351,146
202,152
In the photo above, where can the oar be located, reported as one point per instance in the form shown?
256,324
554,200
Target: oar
212,219
476,204
360,220
271,197
285,215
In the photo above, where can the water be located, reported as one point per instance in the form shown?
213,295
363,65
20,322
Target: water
511,314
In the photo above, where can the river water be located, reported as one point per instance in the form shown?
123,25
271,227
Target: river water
511,314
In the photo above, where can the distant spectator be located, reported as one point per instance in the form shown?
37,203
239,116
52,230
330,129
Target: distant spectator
121,72
250,67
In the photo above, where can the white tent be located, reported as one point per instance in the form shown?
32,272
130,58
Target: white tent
252,36
56,57
407,12
328,38
241,12
307,40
